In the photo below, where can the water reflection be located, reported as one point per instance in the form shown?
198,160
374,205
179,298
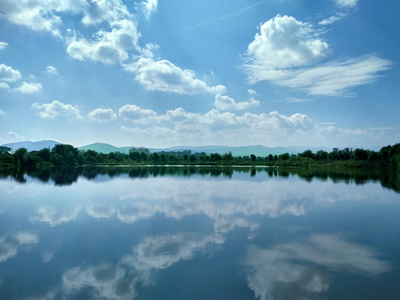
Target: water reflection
69,175
301,269
125,233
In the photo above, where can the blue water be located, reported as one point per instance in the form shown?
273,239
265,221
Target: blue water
197,234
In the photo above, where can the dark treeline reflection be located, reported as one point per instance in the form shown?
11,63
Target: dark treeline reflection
69,175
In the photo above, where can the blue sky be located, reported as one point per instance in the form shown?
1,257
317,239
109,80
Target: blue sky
183,72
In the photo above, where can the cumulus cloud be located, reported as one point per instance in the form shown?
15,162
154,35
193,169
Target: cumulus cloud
3,45
8,74
102,115
227,103
4,86
284,42
162,75
46,16
29,88
56,109
136,114
51,70
346,3
108,47
223,127
284,48
148,7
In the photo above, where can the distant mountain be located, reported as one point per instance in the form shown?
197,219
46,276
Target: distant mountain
32,146
105,148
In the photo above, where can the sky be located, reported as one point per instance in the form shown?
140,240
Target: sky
212,72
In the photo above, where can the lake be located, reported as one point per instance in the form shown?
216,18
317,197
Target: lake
198,233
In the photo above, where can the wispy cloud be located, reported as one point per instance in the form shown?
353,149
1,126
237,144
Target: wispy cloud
233,14
346,3
148,7
3,45
332,19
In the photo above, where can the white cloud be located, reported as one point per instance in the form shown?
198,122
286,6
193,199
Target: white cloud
46,15
346,3
136,114
108,47
4,86
296,100
217,127
29,88
7,250
332,19
252,92
54,217
11,135
284,42
100,211
8,74
56,109
149,7
284,48
25,238
270,270
2,113
162,75
102,115
334,78
227,103
3,45
104,281
51,70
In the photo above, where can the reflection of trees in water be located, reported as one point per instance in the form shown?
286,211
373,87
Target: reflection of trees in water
69,175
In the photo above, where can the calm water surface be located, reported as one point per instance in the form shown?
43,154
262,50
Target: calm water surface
182,233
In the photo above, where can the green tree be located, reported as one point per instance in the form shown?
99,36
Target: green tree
227,156
44,154
321,155
20,156
284,156
307,153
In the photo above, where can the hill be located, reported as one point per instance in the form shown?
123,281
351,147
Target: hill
32,146
105,148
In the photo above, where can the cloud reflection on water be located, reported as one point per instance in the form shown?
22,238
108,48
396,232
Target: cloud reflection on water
302,268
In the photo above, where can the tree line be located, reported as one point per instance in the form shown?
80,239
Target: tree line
67,155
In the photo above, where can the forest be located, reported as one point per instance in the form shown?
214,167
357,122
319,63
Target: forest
67,155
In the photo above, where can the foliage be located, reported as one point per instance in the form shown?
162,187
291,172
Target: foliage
66,155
